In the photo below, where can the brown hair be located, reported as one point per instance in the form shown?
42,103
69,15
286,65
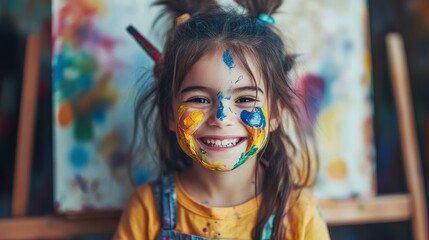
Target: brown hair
244,35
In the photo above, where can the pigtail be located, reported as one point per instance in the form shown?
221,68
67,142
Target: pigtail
257,7
289,62
181,8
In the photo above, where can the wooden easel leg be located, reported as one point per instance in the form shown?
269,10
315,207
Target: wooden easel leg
27,117
407,130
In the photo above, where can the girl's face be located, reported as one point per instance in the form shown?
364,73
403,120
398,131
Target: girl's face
221,115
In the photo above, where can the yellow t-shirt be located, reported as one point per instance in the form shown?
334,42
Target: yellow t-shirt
140,219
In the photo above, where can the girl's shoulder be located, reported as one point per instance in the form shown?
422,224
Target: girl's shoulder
303,204
143,198
144,190
305,217
139,219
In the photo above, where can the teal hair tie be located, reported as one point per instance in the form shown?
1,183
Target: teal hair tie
266,18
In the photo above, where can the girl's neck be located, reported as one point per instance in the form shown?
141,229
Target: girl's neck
221,189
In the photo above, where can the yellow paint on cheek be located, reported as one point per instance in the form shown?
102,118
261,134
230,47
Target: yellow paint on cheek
193,119
187,128
190,141
181,111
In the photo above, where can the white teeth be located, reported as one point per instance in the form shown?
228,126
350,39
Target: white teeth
221,143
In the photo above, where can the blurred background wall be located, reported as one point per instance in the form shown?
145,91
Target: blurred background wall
18,18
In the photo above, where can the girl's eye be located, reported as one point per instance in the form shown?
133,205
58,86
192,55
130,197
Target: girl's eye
245,100
198,100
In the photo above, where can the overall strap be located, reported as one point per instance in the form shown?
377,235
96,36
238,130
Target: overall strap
165,198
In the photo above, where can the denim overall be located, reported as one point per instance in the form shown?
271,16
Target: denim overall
165,193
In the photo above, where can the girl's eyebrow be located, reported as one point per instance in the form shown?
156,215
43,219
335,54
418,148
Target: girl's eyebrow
248,88
235,90
194,88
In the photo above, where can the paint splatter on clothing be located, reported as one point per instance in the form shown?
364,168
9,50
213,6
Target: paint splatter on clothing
140,220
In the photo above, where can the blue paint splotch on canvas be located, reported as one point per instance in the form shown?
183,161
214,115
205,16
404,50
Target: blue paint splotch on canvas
79,158
228,60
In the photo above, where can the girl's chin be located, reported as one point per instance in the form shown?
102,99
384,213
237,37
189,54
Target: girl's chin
222,166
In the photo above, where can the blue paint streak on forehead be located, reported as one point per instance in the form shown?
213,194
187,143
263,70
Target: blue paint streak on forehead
239,79
227,59
253,119
220,111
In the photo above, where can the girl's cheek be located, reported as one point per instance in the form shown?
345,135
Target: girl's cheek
189,120
254,119
256,122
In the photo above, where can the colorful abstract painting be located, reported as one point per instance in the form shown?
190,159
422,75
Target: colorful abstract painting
333,75
96,65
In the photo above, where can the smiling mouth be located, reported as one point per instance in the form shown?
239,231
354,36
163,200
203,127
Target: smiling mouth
221,143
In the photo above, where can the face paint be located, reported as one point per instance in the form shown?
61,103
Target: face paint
220,112
232,111
239,79
256,126
219,133
253,119
188,123
228,60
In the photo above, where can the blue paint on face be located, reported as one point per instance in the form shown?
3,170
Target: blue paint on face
220,111
232,111
227,59
239,79
253,119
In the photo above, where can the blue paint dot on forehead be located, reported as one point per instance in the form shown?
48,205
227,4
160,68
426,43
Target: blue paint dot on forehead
253,119
228,60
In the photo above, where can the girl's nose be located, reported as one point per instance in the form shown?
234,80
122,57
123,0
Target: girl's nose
222,115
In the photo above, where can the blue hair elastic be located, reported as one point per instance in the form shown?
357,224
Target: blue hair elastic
266,18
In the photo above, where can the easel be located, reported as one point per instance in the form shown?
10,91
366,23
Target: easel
389,208
397,207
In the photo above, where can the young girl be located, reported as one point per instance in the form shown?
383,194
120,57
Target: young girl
231,167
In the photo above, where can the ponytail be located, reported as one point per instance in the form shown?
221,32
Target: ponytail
257,7
178,8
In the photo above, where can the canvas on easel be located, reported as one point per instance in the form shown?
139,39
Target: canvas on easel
96,67
333,76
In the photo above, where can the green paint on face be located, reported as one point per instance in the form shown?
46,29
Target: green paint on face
203,154
245,156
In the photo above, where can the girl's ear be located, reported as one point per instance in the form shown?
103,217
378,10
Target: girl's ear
276,119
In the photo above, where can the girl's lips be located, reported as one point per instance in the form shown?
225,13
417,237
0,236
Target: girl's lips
217,143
